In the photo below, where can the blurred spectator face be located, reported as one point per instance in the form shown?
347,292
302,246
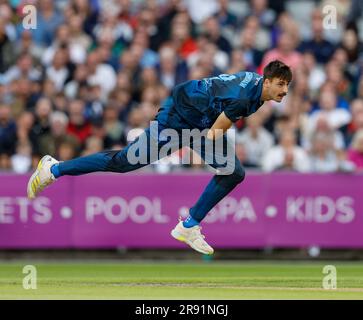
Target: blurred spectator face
81,73
334,73
49,89
23,87
123,81
59,59
340,57
223,5
327,100
110,114
93,145
322,125
167,59
241,153
237,61
356,107
322,143
252,23
146,18
317,23
150,95
76,112
63,33
211,26
149,110
286,43
357,143
104,52
5,114
5,13
81,5
92,61
5,163
26,40
46,5
309,61
130,59
358,120
350,40
75,24
259,6
98,130
66,151
123,98
287,139
25,121
248,38
136,118
25,63
180,29
58,123
254,122
149,76
43,108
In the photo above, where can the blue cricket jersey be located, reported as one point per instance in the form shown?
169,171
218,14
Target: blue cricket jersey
200,102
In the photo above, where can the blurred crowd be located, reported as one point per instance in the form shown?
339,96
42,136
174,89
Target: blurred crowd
94,71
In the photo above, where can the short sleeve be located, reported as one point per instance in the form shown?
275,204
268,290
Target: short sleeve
236,109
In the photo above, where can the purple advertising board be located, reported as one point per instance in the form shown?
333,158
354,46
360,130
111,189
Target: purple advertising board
139,211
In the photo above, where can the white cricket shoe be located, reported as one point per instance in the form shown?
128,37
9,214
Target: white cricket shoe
42,177
193,237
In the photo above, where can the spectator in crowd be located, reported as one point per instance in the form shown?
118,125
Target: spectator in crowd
323,156
257,141
59,135
355,153
78,125
285,52
225,17
21,160
171,69
48,20
287,155
212,29
321,48
24,68
336,117
265,15
6,49
7,130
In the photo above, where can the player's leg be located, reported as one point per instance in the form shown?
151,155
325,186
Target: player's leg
230,174
141,152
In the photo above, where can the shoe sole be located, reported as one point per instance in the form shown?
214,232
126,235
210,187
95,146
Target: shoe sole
176,235
31,194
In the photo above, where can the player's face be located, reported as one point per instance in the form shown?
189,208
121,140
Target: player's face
278,89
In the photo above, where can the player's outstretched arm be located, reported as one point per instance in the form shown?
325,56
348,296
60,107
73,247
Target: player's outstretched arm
220,126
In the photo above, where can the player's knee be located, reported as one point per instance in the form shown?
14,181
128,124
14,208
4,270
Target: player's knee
238,175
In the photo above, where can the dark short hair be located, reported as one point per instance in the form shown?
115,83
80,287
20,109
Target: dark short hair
277,69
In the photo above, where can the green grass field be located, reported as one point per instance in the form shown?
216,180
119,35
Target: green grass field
180,280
